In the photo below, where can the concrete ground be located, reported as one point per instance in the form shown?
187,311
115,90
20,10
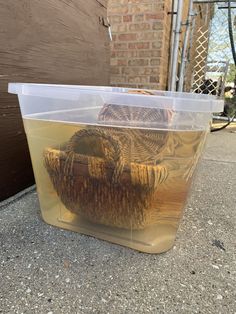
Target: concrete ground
47,270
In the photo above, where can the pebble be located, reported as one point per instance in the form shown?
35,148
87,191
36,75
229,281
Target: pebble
215,266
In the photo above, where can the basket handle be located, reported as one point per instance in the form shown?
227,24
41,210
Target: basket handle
116,156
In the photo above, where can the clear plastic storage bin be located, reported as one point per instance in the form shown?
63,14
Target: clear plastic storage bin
114,163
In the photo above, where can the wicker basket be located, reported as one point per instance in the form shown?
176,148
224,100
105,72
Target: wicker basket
141,143
110,175
94,179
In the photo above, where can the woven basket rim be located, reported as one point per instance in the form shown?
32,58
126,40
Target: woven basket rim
83,159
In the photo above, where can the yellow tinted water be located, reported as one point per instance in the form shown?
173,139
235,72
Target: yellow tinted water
108,211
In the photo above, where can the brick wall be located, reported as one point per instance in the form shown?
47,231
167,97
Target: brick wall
140,46
141,39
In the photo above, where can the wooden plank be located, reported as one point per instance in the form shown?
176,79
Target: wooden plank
50,41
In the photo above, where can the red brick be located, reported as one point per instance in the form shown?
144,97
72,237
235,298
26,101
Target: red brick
139,27
115,19
139,55
155,62
120,46
154,79
149,53
118,79
121,54
138,79
127,37
157,35
118,9
127,18
132,54
138,62
140,45
133,70
126,54
139,18
157,25
141,8
154,16
119,28
151,71
122,62
156,44
159,7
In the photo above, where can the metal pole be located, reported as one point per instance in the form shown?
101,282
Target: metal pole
177,32
222,118
224,80
190,45
185,47
173,26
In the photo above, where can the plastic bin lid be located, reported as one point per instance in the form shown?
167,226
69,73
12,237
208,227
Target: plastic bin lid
176,101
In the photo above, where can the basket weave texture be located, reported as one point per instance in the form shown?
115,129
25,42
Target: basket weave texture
110,175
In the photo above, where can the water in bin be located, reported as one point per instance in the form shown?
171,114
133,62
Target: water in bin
114,163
